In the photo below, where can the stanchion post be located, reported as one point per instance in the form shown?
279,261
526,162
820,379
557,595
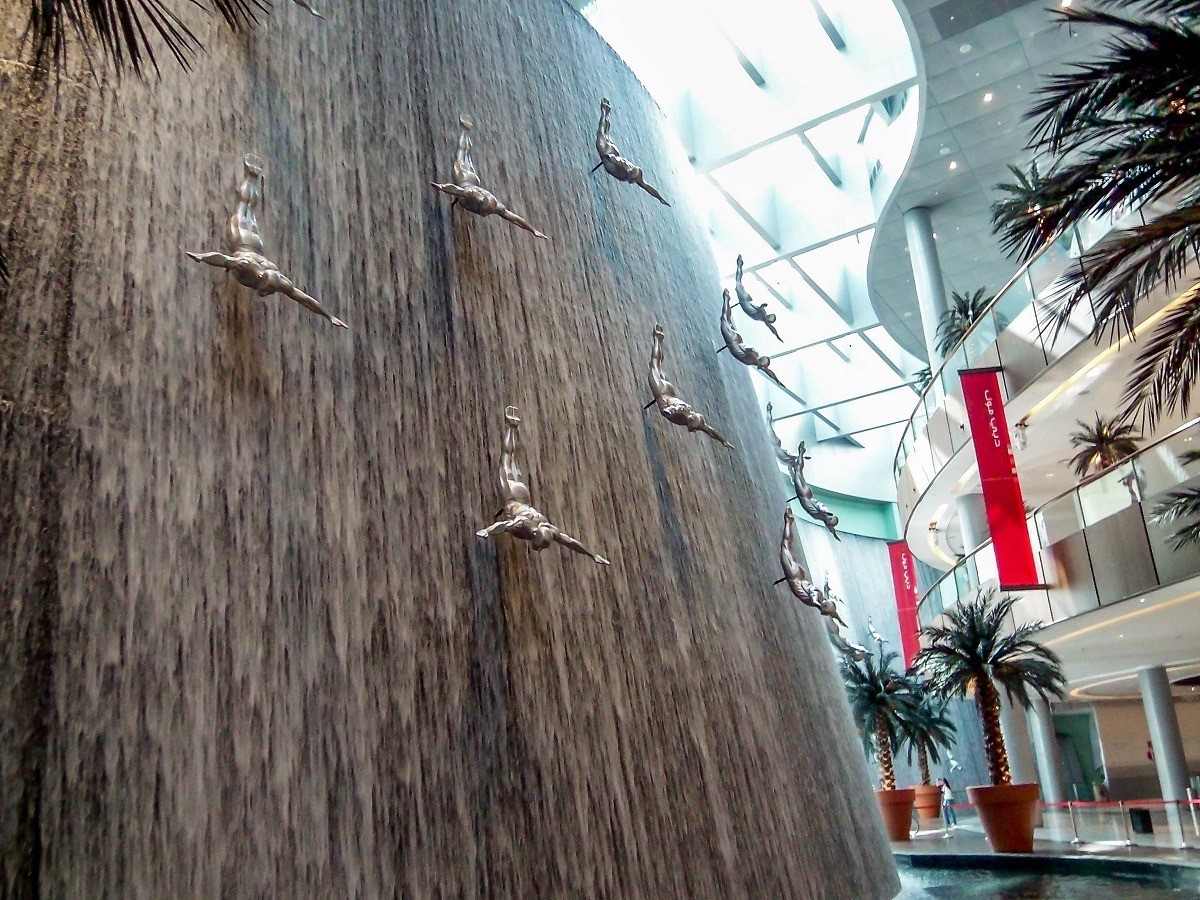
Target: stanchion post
1192,806
1074,828
1125,819
1183,844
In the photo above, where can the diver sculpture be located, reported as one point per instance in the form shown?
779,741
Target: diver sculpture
518,517
307,5
736,346
793,573
245,260
827,604
614,163
856,652
672,408
813,507
746,302
467,189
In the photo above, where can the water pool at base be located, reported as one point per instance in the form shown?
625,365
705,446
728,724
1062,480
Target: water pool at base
975,884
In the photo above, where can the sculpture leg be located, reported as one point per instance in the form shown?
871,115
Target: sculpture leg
570,543
464,167
494,529
649,189
520,222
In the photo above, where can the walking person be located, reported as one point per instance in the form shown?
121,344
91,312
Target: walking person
948,814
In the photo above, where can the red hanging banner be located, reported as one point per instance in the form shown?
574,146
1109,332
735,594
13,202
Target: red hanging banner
908,595
1002,496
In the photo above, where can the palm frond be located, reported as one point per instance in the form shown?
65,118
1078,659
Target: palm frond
126,31
1187,457
973,647
3,267
1146,63
1168,365
1102,445
964,311
876,689
1177,505
924,724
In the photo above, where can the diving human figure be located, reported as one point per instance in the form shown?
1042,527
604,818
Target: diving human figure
518,517
856,652
793,573
736,345
614,163
672,408
245,260
307,5
469,191
746,302
804,495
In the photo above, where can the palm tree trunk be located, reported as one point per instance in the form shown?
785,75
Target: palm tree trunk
923,764
987,698
883,753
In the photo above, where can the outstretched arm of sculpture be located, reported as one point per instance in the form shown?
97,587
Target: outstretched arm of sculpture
494,529
712,432
656,361
512,485
310,8
570,543
464,168
220,260
506,213
641,182
290,290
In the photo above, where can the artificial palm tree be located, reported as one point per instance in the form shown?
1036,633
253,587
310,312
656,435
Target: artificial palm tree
1102,445
972,654
1123,131
925,729
880,697
1181,505
965,310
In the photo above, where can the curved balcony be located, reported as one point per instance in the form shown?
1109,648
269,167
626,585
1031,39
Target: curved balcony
1095,544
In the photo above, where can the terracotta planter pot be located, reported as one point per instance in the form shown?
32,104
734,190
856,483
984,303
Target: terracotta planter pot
928,802
1007,814
896,807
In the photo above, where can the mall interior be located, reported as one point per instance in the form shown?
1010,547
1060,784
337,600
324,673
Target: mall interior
811,340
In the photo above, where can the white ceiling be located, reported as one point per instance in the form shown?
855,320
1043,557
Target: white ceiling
966,143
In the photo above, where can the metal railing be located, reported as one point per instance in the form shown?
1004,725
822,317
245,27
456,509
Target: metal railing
1095,543
1011,333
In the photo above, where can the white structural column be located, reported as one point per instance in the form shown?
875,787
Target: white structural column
1045,745
927,272
972,519
1015,726
1164,732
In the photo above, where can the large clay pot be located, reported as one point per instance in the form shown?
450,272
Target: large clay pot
896,807
1007,813
928,802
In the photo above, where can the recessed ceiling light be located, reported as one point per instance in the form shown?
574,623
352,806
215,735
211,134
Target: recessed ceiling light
987,98
953,165
1143,600
965,48
944,151
1049,474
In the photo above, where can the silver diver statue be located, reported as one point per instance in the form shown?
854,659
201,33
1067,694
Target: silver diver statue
245,260
672,408
614,163
736,345
827,604
312,9
804,495
746,302
788,459
793,573
517,516
467,189
856,652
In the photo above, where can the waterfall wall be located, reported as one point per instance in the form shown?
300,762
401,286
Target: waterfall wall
249,642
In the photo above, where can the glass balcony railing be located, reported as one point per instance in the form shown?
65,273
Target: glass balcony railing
1095,544
1013,333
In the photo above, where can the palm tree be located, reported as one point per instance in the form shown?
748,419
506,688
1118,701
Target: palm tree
921,379
1180,505
879,697
1124,131
925,728
972,654
1102,445
126,30
964,311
